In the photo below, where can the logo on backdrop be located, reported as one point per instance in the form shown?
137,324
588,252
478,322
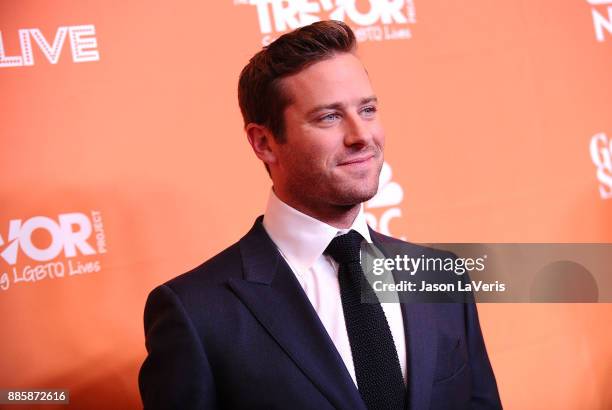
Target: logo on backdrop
43,248
601,10
371,20
387,200
601,155
82,40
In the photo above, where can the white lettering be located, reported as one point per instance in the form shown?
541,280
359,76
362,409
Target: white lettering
306,8
84,44
26,47
290,14
9,254
8,61
99,229
263,14
31,250
53,51
39,272
70,235
601,155
76,239
285,14
391,12
4,281
81,268
371,33
600,24
371,17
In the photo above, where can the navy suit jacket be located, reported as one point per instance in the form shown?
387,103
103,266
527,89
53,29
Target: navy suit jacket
238,332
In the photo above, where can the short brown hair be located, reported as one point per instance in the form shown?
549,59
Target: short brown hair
261,98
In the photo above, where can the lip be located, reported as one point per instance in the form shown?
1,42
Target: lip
357,160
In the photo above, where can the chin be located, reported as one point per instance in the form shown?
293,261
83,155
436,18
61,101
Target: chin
356,195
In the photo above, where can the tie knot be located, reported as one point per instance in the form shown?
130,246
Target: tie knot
345,248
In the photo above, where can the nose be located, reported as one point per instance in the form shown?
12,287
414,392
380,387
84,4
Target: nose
357,132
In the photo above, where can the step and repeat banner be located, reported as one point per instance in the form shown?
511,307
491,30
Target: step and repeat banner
124,164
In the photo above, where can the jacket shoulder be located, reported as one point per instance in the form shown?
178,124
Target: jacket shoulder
210,274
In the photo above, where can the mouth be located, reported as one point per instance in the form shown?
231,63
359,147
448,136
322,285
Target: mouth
358,160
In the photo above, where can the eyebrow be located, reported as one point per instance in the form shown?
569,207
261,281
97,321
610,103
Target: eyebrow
338,106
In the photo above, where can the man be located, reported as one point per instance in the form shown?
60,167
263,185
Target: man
276,320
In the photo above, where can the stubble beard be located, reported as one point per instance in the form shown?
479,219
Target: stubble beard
317,192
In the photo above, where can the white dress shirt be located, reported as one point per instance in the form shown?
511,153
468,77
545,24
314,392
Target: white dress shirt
301,240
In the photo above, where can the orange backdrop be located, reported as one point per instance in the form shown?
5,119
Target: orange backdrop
124,164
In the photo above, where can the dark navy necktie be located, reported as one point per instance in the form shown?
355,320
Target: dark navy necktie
377,367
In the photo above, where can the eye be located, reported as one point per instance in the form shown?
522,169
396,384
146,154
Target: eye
369,111
331,117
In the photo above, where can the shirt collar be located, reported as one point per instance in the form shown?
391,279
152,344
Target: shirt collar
300,237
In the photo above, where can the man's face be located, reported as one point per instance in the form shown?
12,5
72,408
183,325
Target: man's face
333,151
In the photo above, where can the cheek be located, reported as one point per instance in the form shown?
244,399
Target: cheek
379,134
301,159
315,159
320,151
312,150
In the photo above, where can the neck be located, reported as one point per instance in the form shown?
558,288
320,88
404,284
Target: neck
338,216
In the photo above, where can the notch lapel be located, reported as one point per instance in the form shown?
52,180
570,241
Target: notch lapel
274,296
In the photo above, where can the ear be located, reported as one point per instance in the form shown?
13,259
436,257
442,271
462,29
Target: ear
262,141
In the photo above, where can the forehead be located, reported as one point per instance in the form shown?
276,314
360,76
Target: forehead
339,79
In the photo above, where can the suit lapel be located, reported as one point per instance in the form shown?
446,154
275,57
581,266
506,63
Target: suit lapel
421,337
272,293
419,327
